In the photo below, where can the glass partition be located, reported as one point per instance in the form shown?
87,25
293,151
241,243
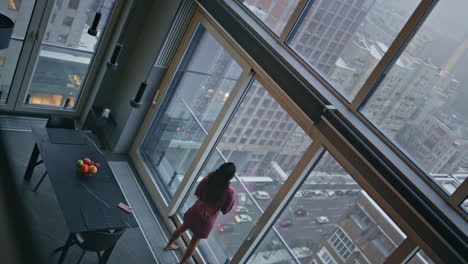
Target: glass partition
20,12
198,91
344,40
66,52
330,219
265,143
420,105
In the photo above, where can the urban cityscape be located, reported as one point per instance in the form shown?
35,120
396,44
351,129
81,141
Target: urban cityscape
66,50
416,106
419,106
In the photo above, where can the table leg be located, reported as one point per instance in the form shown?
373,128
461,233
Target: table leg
65,248
106,255
32,163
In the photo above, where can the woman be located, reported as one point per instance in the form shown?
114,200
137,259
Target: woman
214,194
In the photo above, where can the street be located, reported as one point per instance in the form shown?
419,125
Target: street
304,231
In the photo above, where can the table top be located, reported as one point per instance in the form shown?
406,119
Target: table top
88,203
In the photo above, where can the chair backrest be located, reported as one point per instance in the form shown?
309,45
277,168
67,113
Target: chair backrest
60,122
100,240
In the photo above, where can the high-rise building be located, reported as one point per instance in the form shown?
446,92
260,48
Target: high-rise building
327,29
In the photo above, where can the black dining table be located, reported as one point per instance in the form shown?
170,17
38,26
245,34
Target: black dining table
88,203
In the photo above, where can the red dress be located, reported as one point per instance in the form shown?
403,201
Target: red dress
201,217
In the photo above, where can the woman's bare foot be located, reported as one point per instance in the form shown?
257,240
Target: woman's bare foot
171,247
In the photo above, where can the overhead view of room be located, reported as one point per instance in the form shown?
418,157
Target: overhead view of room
234,131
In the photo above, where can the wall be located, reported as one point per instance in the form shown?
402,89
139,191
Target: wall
146,30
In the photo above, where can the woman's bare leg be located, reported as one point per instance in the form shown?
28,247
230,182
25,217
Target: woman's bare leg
177,233
190,249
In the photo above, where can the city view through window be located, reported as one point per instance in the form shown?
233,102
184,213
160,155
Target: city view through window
66,51
330,220
420,104
20,12
330,217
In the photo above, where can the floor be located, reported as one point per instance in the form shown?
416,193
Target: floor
138,245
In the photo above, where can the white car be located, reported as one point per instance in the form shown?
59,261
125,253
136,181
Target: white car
242,218
322,219
261,195
298,195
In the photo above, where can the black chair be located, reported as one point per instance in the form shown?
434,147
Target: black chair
95,241
56,122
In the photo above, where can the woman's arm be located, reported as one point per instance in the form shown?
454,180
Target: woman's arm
229,203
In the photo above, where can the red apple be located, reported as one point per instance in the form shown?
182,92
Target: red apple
84,168
97,165
87,161
92,169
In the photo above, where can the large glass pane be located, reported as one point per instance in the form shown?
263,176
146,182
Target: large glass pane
344,40
275,14
330,220
66,52
265,143
420,258
196,95
421,106
20,12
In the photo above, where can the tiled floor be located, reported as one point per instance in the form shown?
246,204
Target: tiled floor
48,222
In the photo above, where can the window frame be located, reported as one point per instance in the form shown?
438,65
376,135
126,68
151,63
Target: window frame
325,136
341,242
390,57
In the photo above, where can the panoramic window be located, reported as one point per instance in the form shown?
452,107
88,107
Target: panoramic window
20,13
421,106
196,95
274,14
331,219
344,40
261,171
67,49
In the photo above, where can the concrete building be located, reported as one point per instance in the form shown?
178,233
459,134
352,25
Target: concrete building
326,30
364,234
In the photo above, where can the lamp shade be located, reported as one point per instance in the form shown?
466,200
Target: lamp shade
6,29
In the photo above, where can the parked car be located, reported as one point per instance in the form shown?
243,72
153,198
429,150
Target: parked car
261,195
225,228
240,209
340,193
300,212
329,193
322,219
307,194
299,194
242,218
286,222
318,193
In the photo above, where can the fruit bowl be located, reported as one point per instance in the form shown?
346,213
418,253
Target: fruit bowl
87,167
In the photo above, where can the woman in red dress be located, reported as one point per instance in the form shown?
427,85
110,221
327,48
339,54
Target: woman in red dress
214,195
